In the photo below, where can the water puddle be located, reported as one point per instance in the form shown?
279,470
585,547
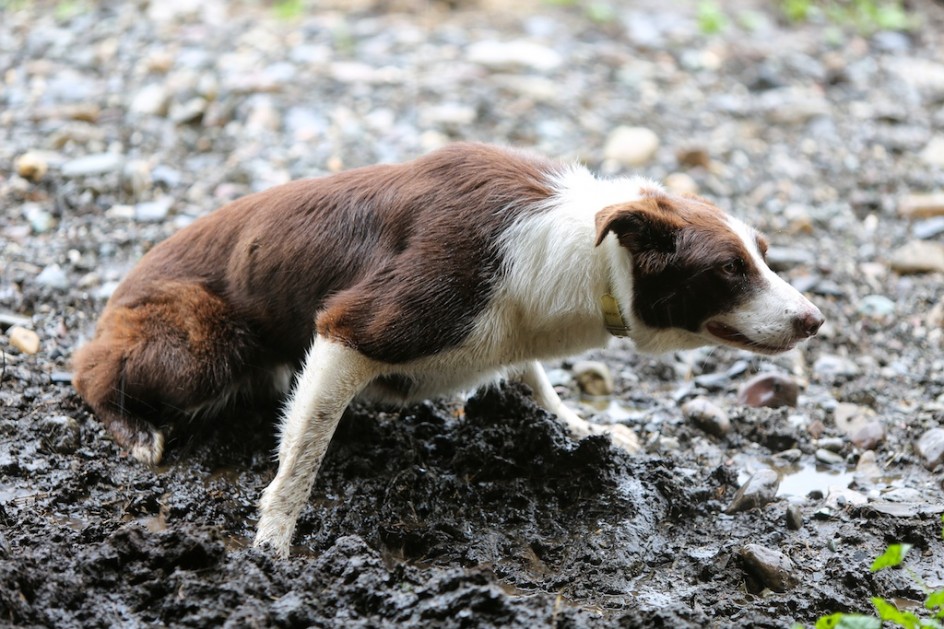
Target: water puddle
798,480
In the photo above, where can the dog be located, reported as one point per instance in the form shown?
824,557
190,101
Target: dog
405,282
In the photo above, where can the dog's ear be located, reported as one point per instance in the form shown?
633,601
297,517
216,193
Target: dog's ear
643,225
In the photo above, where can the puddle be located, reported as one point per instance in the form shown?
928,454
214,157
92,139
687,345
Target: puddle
799,479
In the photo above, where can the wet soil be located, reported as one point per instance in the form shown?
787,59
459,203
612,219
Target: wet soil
481,512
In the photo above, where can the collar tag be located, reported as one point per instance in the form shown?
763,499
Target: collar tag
612,317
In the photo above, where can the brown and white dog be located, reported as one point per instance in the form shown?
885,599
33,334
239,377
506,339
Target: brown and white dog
403,282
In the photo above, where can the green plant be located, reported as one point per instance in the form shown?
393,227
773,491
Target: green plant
886,611
864,15
289,9
711,19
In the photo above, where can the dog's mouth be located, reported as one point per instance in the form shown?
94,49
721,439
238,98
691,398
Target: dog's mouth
735,337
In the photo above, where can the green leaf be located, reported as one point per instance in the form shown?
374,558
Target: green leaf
893,556
888,611
840,620
934,600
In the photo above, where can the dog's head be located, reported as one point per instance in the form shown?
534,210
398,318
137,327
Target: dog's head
699,276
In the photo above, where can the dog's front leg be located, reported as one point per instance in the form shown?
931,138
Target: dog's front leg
533,375
332,375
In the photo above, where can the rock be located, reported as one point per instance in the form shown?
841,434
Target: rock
771,567
876,306
151,100
850,417
10,319
786,258
60,434
933,153
828,365
24,340
794,518
153,211
98,164
39,219
31,166
928,228
833,444
869,436
922,205
693,157
760,489
593,378
707,416
930,447
867,470
828,457
631,146
680,183
53,277
188,112
772,390
792,105
918,256
513,55
842,497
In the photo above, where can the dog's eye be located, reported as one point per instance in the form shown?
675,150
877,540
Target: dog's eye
733,266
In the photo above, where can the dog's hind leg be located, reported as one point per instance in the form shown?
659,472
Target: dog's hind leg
533,375
333,374
159,359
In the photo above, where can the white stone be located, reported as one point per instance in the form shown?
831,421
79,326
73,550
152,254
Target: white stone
513,55
631,146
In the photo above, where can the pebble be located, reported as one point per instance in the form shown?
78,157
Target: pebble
918,256
772,390
786,258
850,417
774,569
708,416
97,164
842,497
23,339
928,228
833,444
31,166
60,434
876,306
867,470
930,447
869,436
53,277
922,205
593,378
760,489
835,366
513,55
794,518
151,100
828,456
680,183
933,153
189,111
39,219
153,211
631,146
9,319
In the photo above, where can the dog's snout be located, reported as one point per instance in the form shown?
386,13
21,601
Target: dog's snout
808,323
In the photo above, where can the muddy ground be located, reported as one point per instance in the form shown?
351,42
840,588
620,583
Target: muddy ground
138,117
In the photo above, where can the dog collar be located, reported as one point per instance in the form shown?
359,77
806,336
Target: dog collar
612,317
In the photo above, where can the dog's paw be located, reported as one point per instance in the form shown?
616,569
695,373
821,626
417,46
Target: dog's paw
274,535
621,436
148,447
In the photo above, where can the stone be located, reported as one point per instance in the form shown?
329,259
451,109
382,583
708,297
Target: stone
918,256
32,166
930,447
828,456
189,111
759,490
631,146
10,319
151,100
593,378
23,339
153,211
933,153
90,165
693,157
513,55
869,436
680,183
928,228
39,219
771,390
922,205
60,434
794,517
53,277
786,258
842,497
772,568
829,365
850,417
707,416
876,306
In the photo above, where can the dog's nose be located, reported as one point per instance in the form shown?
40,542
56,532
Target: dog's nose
808,323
